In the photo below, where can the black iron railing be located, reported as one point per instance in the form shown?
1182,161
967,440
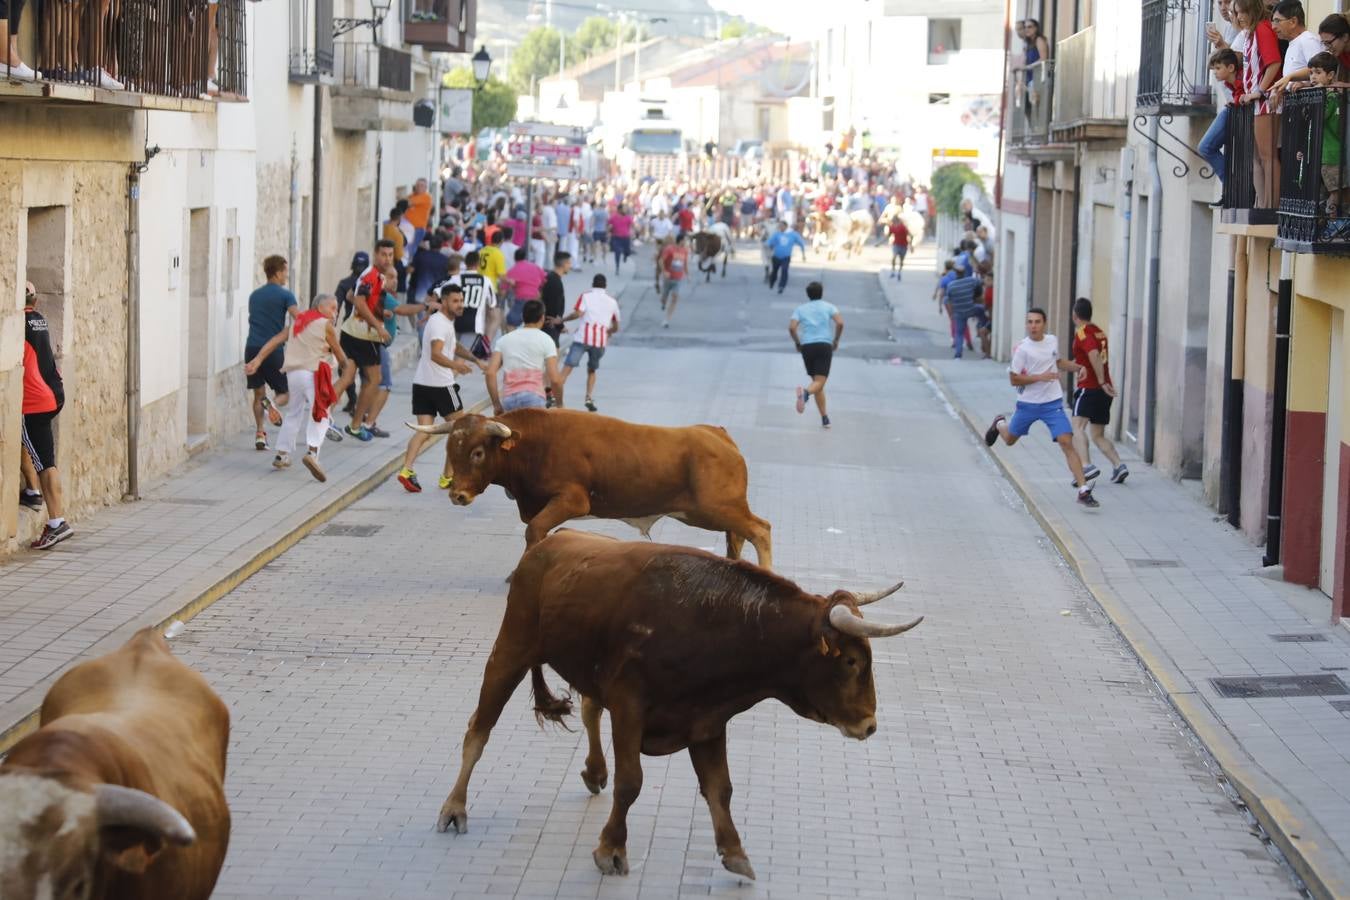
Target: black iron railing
163,47
1171,74
1033,103
1239,188
365,65
1313,217
395,69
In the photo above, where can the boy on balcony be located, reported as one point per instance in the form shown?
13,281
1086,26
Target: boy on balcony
1322,69
1226,66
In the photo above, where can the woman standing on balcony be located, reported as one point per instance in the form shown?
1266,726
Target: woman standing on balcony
1260,71
11,13
1037,50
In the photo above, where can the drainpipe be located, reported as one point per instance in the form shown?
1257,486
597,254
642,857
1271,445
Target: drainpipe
1275,497
1073,241
1031,249
1235,341
1120,318
133,371
1003,103
316,193
293,251
1154,286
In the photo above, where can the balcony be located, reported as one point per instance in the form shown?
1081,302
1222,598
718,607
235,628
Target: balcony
1239,201
372,89
1029,135
159,51
1173,62
1090,97
1312,219
311,53
443,25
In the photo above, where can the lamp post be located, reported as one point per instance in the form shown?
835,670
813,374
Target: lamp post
379,9
482,67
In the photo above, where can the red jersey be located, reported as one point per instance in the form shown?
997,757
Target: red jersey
43,391
685,218
1085,340
370,289
899,234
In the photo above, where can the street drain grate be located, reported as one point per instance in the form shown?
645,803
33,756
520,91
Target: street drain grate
1298,638
1261,687
1153,563
338,529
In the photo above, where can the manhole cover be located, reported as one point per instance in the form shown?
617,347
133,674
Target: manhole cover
1296,638
338,529
1264,686
1153,563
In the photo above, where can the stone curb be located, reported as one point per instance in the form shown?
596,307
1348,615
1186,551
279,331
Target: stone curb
1312,854
268,547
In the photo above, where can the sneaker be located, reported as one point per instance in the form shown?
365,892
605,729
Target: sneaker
991,435
590,404
50,536
334,434
824,421
801,400
361,434
21,72
32,500
408,478
549,403
1089,473
444,483
376,431
260,440
273,414
312,463
282,461
1086,499
1119,474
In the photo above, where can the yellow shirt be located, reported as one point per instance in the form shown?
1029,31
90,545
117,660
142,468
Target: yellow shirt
492,263
392,233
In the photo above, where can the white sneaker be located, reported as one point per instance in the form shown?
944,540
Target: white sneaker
107,82
21,72
212,87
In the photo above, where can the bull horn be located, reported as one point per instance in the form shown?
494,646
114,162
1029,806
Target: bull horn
127,807
865,597
850,623
497,429
442,428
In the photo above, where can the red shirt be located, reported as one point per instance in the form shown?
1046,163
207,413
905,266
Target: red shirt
373,280
685,218
675,261
899,234
1085,340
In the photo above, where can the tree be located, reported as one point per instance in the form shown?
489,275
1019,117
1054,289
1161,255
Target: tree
738,28
947,184
536,57
594,35
494,106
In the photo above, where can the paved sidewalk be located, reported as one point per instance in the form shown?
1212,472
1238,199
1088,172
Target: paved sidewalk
194,536
1189,594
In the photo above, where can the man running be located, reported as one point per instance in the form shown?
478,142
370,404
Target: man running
480,308
528,360
674,266
781,243
901,243
364,333
1034,371
599,315
269,308
816,327
1093,396
434,391
554,296
43,396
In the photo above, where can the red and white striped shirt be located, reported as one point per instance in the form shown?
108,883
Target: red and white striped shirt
598,311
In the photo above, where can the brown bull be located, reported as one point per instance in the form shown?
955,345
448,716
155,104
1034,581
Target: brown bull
120,792
563,464
707,247
673,642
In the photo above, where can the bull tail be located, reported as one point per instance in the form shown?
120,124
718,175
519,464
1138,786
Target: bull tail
546,706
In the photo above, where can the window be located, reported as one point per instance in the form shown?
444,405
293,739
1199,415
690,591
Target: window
944,40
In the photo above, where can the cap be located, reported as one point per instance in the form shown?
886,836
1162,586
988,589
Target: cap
360,258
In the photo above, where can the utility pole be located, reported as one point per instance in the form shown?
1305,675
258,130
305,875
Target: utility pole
618,52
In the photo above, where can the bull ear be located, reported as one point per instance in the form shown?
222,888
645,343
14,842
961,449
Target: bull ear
510,442
130,849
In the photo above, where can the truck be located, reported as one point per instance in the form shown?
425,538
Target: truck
653,146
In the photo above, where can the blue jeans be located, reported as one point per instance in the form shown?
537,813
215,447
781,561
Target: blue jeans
386,371
779,272
523,400
1211,145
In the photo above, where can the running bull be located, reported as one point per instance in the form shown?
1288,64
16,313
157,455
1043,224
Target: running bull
562,464
673,642
120,792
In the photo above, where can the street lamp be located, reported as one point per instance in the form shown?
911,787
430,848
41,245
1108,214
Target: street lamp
378,10
482,65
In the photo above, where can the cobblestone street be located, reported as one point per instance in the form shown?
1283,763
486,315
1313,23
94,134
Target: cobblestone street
1022,750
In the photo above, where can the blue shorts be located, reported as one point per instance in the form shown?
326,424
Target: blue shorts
574,354
1051,413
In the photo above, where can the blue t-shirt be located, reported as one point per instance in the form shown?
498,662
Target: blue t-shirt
391,324
267,308
816,322
782,242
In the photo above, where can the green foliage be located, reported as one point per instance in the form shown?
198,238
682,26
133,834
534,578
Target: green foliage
536,56
494,106
596,35
738,28
947,183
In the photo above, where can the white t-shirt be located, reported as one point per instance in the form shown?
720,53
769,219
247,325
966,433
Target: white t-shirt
1301,49
429,373
598,310
1033,358
525,354
661,228
548,216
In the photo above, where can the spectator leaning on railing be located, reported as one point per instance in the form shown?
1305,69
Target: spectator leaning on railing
1260,70
1290,24
1322,70
1227,68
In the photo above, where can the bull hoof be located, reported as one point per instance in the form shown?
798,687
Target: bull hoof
739,865
610,860
594,785
452,816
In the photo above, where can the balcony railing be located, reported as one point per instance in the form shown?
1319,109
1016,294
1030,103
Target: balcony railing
1033,98
1091,93
444,25
1313,216
1172,72
157,47
311,27
373,66
1240,198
